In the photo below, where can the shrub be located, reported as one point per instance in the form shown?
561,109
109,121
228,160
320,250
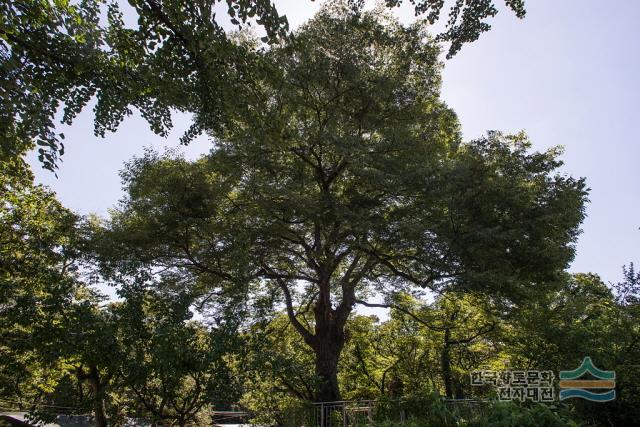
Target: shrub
418,411
509,414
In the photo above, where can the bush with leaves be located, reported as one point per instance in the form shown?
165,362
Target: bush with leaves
511,414
420,410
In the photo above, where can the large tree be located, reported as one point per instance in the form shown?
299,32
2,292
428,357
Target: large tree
55,57
345,174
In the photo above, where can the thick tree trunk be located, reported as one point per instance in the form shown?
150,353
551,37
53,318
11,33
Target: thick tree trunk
327,354
98,409
328,344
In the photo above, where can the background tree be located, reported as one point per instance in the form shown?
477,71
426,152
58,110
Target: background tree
560,327
458,327
38,280
174,369
580,316
369,364
278,366
51,324
90,351
626,347
433,346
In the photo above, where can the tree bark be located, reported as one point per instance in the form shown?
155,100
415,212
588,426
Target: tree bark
328,346
445,360
98,397
328,343
327,354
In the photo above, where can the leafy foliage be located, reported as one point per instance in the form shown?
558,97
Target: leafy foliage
37,275
59,55
55,57
512,414
175,369
466,20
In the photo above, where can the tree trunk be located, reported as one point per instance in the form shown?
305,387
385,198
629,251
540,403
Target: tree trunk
459,390
327,349
98,397
445,360
327,354
328,344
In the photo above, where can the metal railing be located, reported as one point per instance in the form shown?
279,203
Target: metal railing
343,413
361,413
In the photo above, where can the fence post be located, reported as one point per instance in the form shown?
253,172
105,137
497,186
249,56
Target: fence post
344,415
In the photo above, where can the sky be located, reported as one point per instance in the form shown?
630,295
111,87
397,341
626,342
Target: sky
568,74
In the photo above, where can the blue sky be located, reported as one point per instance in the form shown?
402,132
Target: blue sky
568,74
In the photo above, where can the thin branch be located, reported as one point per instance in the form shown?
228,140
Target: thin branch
402,310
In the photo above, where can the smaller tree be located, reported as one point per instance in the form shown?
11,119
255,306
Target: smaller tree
558,328
278,369
369,362
625,341
38,284
174,368
88,347
455,333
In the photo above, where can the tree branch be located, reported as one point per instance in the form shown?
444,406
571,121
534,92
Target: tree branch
402,310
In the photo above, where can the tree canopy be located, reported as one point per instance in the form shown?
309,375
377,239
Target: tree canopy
56,57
